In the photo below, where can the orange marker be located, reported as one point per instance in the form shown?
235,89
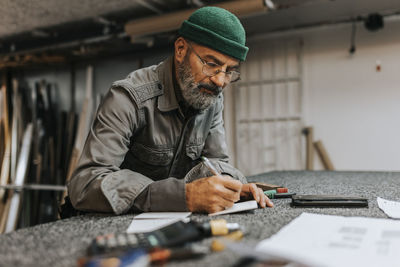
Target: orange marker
282,190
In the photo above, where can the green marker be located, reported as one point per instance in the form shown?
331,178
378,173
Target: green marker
273,194
270,193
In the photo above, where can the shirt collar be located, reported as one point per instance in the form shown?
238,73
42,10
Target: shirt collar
167,101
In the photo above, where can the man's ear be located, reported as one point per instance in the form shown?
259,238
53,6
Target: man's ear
181,48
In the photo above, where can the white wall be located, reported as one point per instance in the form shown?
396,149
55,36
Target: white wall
354,109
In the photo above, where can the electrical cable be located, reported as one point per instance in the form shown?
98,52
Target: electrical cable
352,49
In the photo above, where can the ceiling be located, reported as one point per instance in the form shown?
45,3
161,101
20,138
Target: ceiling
21,16
311,13
76,28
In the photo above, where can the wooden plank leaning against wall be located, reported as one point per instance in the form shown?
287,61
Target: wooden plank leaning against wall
6,155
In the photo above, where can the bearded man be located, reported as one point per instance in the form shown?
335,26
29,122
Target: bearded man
144,148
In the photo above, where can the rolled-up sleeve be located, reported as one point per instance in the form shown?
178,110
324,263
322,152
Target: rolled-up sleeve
164,195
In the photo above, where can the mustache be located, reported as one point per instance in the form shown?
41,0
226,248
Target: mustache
213,88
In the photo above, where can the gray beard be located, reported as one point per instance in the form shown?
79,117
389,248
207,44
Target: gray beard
191,90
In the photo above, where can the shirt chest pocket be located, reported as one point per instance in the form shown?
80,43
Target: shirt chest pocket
152,156
194,150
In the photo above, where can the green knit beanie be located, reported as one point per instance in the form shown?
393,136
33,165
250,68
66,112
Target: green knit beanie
218,29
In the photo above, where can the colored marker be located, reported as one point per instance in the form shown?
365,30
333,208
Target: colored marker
270,193
282,190
161,256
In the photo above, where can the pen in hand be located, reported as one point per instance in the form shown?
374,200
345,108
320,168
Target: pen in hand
230,184
210,166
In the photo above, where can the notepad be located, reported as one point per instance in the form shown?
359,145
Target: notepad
151,221
238,207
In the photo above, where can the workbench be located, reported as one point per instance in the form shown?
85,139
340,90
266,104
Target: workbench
62,242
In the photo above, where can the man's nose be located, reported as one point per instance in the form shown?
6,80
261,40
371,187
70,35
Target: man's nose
219,79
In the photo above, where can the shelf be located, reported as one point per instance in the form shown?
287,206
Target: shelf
46,187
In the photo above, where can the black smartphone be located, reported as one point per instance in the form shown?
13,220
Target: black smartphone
328,201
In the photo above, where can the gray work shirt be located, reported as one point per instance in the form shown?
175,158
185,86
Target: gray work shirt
141,149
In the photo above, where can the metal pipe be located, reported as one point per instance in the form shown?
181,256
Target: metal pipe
268,81
149,6
271,119
282,32
97,39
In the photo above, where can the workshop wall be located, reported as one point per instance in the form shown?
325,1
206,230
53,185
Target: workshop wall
351,103
105,72
351,100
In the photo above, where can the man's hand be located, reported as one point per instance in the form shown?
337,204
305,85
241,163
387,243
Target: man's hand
250,191
212,194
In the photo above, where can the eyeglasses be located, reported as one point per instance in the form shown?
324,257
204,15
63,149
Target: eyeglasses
211,69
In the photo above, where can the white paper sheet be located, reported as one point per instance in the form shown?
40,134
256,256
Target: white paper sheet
325,240
163,215
391,208
237,207
151,221
144,226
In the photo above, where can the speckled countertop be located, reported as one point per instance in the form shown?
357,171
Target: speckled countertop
62,242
